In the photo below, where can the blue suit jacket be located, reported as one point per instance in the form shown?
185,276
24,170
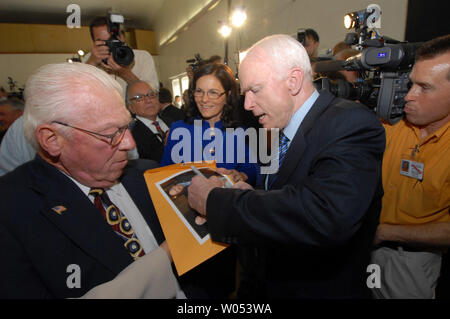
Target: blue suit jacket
37,244
310,236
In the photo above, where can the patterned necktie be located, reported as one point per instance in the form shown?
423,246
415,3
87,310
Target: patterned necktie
284,144
282,149
117,221
160,131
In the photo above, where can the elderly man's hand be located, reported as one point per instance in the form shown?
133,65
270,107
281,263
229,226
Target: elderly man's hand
234,174
199,190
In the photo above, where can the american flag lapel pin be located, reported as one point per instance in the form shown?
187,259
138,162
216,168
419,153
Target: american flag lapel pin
59,209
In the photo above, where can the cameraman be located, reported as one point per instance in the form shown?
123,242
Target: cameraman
142,68
312,43
414,228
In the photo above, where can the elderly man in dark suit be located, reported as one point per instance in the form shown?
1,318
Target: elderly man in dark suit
76,216
150,130
307,233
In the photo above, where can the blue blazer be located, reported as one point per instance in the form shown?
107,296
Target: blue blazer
37,244
214,148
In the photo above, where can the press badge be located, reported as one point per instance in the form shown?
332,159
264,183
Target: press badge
412,169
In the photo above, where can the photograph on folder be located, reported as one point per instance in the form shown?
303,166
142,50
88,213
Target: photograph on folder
185,230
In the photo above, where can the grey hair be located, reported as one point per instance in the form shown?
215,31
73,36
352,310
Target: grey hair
52,91
14,102
129,85
286,53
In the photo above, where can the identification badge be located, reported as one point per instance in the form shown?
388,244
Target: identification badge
412,169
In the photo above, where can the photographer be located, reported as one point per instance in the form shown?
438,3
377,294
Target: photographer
142,68
312,43
414,227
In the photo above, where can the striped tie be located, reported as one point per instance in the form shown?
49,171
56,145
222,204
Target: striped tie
282,149
160,131
284,145
117,221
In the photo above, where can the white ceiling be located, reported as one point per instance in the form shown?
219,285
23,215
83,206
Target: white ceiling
138,13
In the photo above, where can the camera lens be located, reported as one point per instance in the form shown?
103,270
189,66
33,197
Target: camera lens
123,55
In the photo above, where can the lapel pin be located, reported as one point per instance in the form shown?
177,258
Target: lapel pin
59,209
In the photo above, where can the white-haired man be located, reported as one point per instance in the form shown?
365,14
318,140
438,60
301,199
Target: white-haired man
75,217
308,232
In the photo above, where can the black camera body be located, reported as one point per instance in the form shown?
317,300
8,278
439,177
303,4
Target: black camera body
383,68
386,89
196,62
121,53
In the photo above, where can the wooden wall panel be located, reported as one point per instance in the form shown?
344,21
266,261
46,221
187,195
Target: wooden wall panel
47,38
145,40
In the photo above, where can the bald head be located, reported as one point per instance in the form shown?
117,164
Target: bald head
276,79
142,100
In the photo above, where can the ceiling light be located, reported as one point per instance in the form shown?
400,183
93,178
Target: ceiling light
239,16
225,30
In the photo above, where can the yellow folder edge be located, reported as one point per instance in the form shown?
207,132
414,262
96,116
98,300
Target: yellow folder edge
186,251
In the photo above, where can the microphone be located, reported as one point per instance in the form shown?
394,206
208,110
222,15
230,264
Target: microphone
329,66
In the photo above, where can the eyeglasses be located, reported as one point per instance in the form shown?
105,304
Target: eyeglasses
112,139
141,97
212,94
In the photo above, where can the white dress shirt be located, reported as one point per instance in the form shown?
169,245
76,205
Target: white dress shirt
152,127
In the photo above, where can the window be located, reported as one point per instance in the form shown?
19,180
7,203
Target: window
180,83
176,88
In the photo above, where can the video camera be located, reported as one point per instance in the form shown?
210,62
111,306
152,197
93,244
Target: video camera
122,54
383,67
196,62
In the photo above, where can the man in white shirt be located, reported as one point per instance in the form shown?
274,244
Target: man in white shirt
143,67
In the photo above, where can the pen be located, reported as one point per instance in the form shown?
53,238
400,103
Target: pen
196,171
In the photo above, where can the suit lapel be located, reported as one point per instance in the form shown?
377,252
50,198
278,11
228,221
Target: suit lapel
77,217
298,144
142,132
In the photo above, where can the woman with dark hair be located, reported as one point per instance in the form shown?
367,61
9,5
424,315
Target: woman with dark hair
212,107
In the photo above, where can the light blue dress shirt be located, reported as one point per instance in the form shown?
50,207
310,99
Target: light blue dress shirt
291,129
